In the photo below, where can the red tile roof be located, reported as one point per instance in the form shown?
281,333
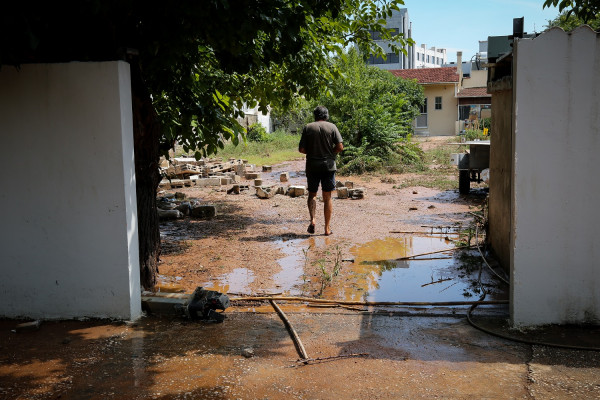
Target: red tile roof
474,92
429,75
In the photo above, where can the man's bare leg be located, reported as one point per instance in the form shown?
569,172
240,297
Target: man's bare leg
312,206
327,209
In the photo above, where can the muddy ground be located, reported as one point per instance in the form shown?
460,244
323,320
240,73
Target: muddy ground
259,246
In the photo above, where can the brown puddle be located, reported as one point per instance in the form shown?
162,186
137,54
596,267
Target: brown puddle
377,275
237,281
287,281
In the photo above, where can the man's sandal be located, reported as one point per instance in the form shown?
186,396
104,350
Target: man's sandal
311,229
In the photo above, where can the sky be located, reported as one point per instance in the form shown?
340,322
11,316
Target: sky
459,25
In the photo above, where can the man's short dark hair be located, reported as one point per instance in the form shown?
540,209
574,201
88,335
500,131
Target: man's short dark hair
321,113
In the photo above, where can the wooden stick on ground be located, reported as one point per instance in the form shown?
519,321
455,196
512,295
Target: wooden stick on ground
299,347
433,252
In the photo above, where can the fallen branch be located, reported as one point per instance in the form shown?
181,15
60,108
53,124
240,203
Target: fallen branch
434,252
312,360
440,281
299,347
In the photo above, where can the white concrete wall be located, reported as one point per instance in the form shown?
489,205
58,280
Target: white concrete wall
69,239
555,275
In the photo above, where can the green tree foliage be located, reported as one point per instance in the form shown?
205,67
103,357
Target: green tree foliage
570,22
584,10
373,110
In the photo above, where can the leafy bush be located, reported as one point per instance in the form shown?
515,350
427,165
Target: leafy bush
257,133
472,134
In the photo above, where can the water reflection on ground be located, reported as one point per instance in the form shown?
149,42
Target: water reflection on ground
379,274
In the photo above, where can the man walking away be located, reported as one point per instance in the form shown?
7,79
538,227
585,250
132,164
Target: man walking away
320,141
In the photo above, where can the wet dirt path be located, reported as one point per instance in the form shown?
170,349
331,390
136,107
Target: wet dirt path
256,246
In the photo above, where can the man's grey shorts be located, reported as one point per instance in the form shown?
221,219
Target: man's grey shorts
326,179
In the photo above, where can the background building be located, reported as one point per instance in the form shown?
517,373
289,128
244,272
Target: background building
400,23
429,58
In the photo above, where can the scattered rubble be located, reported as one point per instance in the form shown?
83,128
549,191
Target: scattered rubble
186,172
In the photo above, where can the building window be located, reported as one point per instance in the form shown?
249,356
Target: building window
438,102
375,35
422,119
390,58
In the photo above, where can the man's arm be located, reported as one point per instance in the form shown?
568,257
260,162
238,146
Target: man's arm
338,148
302,150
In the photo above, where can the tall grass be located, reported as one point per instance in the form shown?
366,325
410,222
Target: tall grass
280,146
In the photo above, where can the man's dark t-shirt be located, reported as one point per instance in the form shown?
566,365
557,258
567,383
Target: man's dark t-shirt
318,139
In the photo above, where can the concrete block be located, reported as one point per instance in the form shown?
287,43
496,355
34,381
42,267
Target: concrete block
184,208
284,177
225,181
349,184
236,179
240,169
342,193
253,175
208,182
164,305
179,195
264,192
165,184
296,191
267,168
177,184
280,190
339,184
258,182
203,212
235,189
167,215
357,193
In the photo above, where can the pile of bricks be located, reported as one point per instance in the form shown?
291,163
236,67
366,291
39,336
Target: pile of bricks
187,172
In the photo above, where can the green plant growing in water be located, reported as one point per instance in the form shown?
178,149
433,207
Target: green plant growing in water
326,278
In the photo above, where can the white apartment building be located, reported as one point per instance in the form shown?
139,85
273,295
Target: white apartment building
429,58
400,24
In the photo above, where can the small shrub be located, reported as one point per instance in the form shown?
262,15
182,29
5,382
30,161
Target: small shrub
257,133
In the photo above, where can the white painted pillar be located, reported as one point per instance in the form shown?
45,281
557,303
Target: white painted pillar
69,241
